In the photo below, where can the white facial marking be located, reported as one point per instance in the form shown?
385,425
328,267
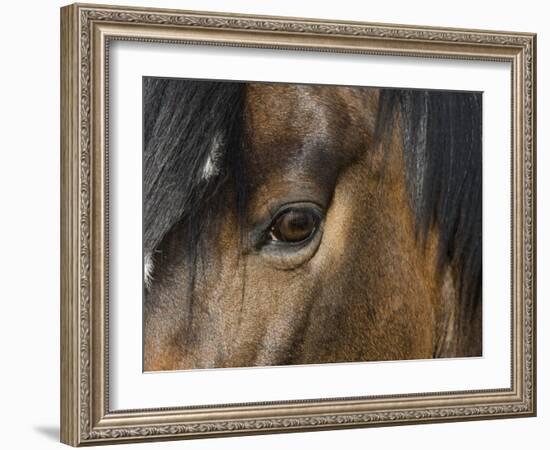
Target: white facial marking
211,167
148,266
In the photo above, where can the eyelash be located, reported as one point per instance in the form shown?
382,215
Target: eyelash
270,237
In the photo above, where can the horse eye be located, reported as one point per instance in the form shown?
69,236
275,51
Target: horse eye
294,225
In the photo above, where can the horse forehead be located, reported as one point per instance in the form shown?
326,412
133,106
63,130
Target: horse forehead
294,109
297,123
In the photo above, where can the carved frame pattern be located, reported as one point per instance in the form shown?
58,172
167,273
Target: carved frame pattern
86,418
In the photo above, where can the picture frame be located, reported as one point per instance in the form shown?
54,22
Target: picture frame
87,33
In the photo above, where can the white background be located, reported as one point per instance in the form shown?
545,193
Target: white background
132,389
29,177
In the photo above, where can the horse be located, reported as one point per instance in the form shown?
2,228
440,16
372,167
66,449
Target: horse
293,224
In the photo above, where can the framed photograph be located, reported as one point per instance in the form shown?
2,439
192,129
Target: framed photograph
273,224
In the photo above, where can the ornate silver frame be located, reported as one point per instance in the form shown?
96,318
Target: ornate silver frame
86,31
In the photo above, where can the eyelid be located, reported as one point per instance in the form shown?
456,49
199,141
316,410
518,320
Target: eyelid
259,233
288,210
308,205
313,208
290,255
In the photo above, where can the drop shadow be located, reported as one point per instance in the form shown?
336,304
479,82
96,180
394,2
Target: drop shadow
49,431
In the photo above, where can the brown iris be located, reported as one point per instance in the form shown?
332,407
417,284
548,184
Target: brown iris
294,225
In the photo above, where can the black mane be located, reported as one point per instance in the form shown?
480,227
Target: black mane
443,156
183,121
